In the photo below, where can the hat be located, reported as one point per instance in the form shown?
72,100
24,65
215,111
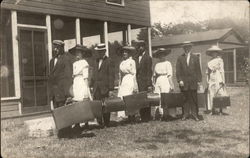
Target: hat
58,42
84,50
187,43
140,43
130,48
214,48
160,51
100,46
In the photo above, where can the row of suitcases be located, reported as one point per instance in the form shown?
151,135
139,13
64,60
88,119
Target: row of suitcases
84,111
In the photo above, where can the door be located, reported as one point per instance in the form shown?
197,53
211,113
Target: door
34,70
228,66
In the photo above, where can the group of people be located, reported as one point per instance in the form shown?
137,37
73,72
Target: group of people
69,77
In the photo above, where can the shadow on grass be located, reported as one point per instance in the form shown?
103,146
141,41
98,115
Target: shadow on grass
206,154
194,138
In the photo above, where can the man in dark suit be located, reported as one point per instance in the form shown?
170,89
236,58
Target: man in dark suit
188,74
103,80
144,76
60,78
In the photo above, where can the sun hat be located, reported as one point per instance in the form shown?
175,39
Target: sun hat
83,49
161,51
213,48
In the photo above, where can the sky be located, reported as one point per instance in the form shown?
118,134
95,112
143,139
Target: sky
166,11
175,12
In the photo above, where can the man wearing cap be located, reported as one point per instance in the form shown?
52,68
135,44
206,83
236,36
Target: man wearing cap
103,79
143,76
60,78
188,74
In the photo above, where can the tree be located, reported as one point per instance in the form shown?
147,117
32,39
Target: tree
239,25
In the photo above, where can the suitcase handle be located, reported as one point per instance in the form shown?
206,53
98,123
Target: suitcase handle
218,90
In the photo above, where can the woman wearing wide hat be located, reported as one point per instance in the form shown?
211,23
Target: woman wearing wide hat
215,76
80,86
127,75
163,76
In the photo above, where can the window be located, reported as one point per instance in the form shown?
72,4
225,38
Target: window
115,2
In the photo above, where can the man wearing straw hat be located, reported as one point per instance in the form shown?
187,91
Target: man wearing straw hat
188,74
103,79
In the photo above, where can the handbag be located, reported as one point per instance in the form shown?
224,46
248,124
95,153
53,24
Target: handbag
221,101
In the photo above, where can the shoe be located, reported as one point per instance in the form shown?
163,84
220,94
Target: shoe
183,118
196,118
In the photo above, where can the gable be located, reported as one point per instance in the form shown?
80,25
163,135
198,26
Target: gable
232,39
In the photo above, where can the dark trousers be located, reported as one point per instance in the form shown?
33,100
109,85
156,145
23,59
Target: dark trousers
145,113
106,116
190,103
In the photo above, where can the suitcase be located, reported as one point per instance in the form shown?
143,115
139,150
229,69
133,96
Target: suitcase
221,101
135,102
76,112
172,100
114,105
153,99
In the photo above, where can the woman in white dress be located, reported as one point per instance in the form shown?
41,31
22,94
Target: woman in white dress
215,76
80,74
127,78
163,78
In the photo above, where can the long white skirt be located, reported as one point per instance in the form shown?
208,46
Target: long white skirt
162,85
80,88
126,88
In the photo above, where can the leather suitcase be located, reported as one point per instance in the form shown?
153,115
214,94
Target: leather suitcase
76,112
221,101
114,105
135,102
153,99
172,100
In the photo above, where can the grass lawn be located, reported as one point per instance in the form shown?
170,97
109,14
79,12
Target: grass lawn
216,136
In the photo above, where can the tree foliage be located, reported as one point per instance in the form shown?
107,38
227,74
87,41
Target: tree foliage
159,29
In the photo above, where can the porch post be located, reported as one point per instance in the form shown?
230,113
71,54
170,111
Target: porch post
49,40
129,34
149,42
106,37
78,31
15,53
235,68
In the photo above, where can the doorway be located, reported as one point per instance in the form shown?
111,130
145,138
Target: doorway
228,59
34,67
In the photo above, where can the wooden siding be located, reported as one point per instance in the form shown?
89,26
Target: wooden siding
9,109
134,12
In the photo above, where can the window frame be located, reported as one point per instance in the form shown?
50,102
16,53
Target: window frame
116,4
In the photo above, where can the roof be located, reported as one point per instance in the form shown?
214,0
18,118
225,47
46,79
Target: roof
194,37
